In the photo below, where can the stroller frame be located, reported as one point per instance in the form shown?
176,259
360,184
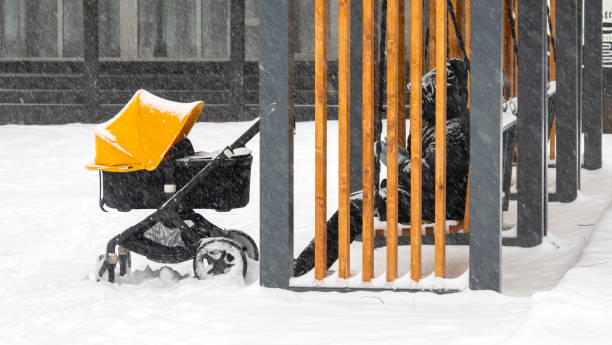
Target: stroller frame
173,214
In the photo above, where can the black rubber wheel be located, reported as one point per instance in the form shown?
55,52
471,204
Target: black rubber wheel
249,247
219,256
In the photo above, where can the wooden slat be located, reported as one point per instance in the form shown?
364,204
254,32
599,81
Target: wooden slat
320,139
468,47
393,102
440,194
402,76
416,96
514,60
553,65
466,217
507,53
553,76
468,39
432,35
344,145
453,44
367,226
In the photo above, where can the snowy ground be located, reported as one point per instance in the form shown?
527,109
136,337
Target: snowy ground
52,230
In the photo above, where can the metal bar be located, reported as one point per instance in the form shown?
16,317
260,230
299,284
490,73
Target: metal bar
237,52
486,146
593,85
532,122
320,139
579,44
90,56
416,98
567,102
276,141
440,194
367,226
393,102
344,143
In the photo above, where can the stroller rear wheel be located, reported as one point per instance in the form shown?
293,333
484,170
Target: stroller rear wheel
248,245
219,256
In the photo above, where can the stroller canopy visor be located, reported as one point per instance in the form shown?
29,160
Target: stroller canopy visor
141,134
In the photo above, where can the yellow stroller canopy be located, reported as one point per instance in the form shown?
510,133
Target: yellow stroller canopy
141,134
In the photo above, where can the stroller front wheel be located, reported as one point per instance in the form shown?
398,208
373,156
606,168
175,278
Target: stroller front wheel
219,256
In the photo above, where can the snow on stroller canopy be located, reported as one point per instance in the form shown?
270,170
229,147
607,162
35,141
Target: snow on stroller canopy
141,134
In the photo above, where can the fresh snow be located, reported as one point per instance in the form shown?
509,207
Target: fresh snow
556,293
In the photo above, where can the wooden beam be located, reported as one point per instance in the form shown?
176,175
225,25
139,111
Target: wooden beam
453,44
468,47
393,36
416,96
440,173
432,34
553,74
468,41
368,89
402,76
320,139
344,144
507,51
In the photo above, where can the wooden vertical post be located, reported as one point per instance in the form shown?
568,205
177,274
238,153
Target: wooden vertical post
367,227
515,59
440,174
454,51
553,73
402,76
344,145
320,139
393,103
468,41
468,47
416,96
507,51
432,34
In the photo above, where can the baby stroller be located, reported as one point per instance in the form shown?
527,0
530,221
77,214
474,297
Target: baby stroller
146,162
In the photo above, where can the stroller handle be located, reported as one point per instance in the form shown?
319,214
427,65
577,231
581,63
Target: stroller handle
246,136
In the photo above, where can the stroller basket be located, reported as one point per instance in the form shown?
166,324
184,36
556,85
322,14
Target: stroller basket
227,187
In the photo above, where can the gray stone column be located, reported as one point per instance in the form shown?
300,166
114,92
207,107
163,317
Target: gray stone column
486,145
276,113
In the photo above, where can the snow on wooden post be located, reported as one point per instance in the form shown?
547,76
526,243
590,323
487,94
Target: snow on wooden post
393,36
367,227
440,173
416,96
344,135
320,139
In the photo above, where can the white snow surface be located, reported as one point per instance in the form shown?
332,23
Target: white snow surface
559,292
